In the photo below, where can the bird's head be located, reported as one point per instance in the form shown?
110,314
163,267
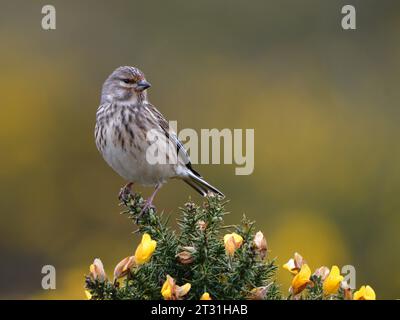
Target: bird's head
126,85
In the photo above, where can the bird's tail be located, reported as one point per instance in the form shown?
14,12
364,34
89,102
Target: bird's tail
200,185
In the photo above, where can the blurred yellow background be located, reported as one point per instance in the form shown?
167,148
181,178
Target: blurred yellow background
324,104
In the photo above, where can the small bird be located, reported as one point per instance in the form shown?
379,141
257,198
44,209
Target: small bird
123,122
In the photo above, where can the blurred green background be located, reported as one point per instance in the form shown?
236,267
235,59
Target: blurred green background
324,104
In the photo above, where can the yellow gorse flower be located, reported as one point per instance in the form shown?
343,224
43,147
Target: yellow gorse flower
97,270
365,293
332,281
205,296
170,291
232,242
167,288
260,244
294,264
290,266
88,295
322,273
145,249
301,279
123,267
183,290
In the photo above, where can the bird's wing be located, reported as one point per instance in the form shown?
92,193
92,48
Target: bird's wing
171,135
194,179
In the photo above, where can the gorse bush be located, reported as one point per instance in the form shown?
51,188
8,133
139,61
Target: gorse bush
206,260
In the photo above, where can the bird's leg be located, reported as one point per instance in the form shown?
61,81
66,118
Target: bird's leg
149,201
125,191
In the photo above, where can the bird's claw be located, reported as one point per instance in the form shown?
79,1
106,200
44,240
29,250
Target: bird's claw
146,208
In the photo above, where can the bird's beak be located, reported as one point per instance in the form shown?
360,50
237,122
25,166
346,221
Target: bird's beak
143,85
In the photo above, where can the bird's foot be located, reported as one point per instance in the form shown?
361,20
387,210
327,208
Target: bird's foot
147,206
149,202
145,210
125,192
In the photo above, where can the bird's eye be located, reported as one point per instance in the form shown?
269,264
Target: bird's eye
126,80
